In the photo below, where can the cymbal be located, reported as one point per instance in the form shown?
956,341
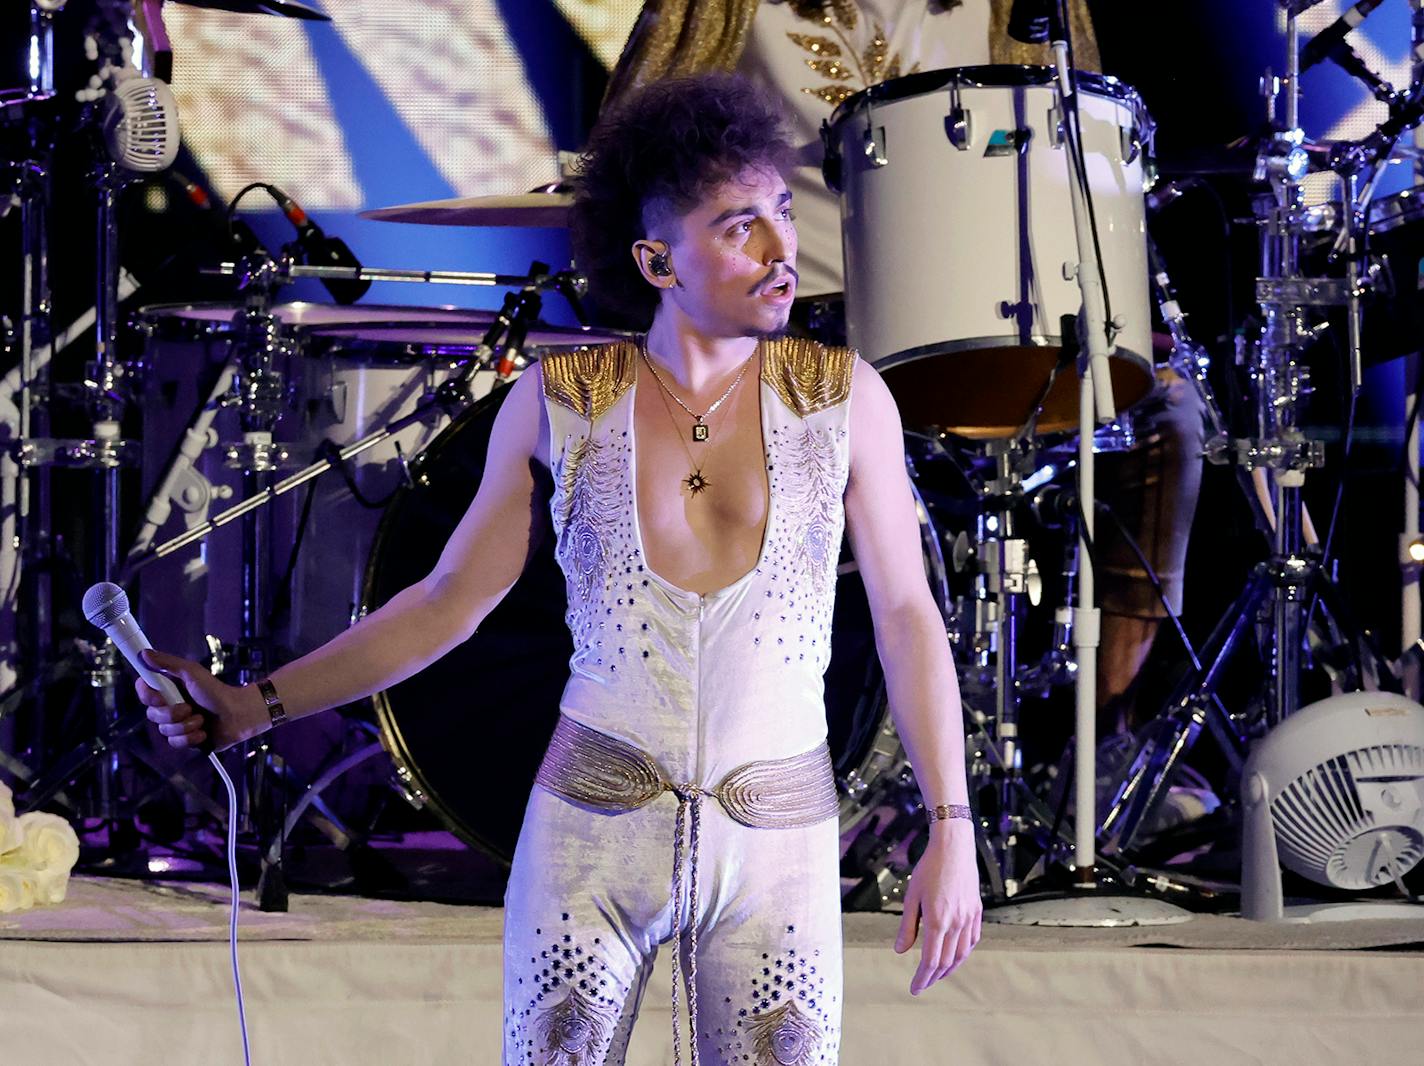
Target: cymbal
524,209
288,8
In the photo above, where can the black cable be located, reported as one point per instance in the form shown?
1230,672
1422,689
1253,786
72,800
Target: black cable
1344,477
231,212
1227,274
332,453
1151,576
282,598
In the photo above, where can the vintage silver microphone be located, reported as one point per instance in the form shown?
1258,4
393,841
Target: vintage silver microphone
140,125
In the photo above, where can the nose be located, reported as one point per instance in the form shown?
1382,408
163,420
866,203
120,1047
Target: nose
780,244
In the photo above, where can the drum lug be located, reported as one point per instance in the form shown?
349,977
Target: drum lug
959,123
1131,138
875,146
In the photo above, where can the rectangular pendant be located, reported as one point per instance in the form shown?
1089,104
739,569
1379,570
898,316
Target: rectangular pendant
699,431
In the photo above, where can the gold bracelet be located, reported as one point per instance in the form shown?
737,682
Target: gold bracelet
946,811
275,710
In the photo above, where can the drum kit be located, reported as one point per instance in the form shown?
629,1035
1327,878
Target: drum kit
345,441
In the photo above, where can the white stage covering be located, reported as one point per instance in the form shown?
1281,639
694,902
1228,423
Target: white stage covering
129,974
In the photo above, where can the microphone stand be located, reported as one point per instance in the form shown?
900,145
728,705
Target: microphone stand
1409,603
27,535
1086,906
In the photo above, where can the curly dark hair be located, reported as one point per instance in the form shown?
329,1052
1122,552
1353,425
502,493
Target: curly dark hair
654,156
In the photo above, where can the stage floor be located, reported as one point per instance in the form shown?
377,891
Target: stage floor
128,972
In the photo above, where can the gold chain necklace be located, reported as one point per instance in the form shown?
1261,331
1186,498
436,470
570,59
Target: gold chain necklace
696,482
700,430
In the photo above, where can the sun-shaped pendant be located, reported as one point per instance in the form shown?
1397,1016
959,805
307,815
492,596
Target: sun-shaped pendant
695,482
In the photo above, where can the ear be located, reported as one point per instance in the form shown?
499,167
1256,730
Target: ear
654,263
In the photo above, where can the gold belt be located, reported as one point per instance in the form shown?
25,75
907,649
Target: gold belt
592,769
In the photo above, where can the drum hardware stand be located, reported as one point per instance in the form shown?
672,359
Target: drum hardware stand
32,532
1283,588
1006,578
1410,622
259,395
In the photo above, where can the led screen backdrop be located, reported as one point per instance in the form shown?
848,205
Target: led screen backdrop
394,101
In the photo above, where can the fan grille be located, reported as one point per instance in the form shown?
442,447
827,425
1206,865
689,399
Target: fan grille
1320,817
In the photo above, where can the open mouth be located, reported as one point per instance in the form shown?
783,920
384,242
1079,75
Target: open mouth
784,287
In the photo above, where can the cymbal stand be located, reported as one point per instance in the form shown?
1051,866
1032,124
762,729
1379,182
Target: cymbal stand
1284,588
27,532
1409,605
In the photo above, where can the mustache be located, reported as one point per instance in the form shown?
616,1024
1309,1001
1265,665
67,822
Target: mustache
772,275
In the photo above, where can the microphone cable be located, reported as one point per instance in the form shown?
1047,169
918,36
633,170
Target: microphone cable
235,900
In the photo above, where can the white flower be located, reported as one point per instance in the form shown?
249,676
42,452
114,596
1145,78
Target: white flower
17,889
49,848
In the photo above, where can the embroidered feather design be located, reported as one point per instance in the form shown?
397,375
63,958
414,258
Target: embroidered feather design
837,58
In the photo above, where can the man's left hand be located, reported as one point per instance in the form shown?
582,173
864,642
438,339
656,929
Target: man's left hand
942,901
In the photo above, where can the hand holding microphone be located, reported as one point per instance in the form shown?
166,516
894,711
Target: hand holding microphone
210,715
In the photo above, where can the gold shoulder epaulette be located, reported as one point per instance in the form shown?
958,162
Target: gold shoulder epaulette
588,381
807,375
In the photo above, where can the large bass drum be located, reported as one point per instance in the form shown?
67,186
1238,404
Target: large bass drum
467,733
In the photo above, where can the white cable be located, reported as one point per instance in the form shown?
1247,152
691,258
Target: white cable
236,900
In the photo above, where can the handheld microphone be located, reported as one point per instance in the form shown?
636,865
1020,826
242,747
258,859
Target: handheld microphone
140,125
107,607
1333,35
322,250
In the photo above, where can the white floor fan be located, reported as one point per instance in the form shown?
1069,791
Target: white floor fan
1335,793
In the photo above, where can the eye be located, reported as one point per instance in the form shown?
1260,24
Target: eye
788,213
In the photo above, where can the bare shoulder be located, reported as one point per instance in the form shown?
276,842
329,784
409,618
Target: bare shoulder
874,417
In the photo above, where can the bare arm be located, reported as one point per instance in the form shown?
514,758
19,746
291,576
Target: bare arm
919,676
480,562
884,531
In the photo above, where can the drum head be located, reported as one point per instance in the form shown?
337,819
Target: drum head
467,732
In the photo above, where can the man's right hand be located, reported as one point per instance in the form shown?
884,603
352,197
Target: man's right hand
222,713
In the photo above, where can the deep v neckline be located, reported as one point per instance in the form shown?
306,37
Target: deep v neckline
763,414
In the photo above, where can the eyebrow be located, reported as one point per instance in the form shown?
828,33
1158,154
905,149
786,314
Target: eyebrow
748,209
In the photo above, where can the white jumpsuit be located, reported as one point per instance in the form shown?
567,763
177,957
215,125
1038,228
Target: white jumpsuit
703,685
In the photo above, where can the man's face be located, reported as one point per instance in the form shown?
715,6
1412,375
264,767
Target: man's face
734,257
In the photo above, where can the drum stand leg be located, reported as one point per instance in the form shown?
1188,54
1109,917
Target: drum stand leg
1005,575
260,342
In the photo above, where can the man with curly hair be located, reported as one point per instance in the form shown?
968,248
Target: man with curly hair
698,480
